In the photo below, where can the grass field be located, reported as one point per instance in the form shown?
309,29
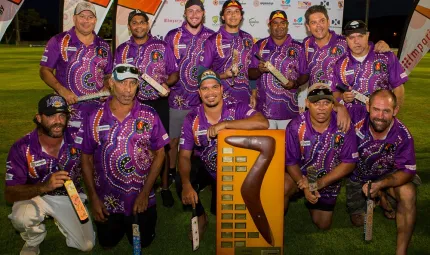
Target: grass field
21,88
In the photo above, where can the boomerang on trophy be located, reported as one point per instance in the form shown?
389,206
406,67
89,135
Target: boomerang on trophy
275,72
103,93
368,220
154,84
251,186
312,179
357,95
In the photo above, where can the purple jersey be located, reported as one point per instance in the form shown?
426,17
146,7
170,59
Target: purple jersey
78,67
273,100
323,151
187,49
194,131
377,71
218,56
122,153
153,58
381,157
28,162
321,61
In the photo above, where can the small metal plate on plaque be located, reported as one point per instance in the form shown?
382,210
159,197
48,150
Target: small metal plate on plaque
227,150
227,197
227,187
226,244
227,168
227,178
241,225
239,244
253,234
241,159
227,216
240,207
241,169
226,234
226,225
240,216
226,206
257,251
227,159
239,234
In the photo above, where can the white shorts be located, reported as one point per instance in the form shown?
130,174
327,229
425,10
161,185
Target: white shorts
278,124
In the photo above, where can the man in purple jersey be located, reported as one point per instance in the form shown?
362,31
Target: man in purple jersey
123,150
186,42
155,58
82,61
199,133
387,158
277,101
364,70
316,150
228,53
37,167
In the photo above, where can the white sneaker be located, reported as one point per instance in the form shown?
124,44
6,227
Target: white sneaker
29,250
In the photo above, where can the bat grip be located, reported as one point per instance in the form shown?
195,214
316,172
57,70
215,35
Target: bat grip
369,186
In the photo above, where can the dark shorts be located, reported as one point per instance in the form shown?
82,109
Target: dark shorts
323,204
161,105
111,232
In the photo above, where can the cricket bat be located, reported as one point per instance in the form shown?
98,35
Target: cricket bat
99,94
195,230
136,236
312,179
275,72
154,84
79,207
357,95
368,220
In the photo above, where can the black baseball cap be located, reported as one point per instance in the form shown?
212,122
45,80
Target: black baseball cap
278,14
208,74
355,26
137,12
194,2
319,91
52,104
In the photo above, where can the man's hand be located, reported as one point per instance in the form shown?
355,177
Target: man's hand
312,198
374,189
141,203
303,183
98,209
289,85
189,195
227,74
70,97
167,88
348,96
214,129
262,67
343,118
253,101
56,180
382,46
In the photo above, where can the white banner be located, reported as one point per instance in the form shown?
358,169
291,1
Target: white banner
417,37
256,15
102,8
8,9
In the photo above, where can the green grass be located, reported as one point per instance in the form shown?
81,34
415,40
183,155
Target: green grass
21,88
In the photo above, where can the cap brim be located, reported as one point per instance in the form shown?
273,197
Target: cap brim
123,76
209,77
277,18
49,112
358,30
316,98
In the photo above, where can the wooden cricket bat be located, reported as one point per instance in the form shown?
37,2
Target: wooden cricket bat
368,220
137,249
79,207
99,94
154,84
235,63
357,95
275,72
195,230
312,179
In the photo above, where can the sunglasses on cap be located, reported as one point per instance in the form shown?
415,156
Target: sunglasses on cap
124,69
319,91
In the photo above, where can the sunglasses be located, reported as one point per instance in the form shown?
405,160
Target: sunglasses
124,69
318,92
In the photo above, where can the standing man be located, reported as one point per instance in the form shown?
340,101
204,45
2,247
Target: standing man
153,57
316,149
364,70
277,101
387,158
37,167
228,53
123,150
186,42
82,61
199,133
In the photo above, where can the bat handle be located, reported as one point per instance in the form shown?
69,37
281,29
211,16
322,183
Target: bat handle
369,186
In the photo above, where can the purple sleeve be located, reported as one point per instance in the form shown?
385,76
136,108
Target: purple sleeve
186,142
254,60
244,111
117,57
357,112
207,57
397,76
109,66
302,62
16,167
349,151
51,54
171,65
159,137
335,78
292,151
86,142
405,157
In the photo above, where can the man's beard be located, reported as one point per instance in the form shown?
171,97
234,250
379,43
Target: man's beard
48,130
379,128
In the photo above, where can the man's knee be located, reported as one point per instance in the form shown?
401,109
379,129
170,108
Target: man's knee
26,214
322,224
406,195
87,245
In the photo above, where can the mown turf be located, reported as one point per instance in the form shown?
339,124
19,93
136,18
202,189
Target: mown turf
21,88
